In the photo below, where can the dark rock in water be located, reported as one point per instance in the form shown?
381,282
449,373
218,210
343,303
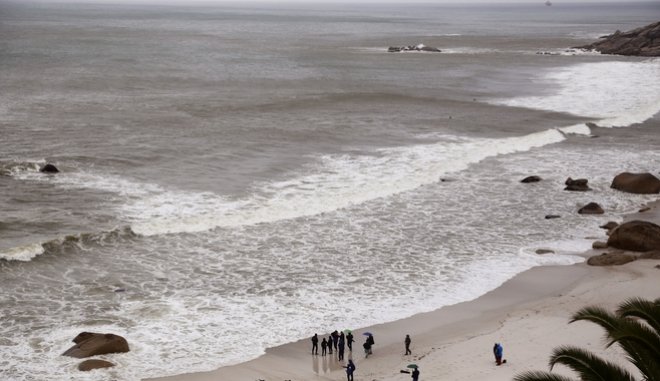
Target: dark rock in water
120,290
610,259
639,183
413,48
635,236
644,209
579,185
531,179
551,216
92,344
591,208
644,41
92,364
49,168
544,251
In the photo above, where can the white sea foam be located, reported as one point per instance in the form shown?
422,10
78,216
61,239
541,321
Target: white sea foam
22,253
619,93
336,182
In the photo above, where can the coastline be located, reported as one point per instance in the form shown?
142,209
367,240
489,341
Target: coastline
528,314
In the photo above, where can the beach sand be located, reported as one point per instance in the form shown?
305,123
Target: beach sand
528,315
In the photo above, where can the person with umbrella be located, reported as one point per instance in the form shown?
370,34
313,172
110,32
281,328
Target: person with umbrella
415,374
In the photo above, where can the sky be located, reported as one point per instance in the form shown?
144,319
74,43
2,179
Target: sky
184,2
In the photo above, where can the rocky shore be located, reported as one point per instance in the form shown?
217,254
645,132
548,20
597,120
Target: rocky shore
644,41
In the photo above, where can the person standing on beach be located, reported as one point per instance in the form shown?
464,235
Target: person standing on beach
330,344
370,340
324,345
350,368
340,346
315,344
415,375
335,338
349,341
407,341
498,351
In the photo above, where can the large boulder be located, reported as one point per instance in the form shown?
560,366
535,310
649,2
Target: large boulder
92,364
644,41
92,344
610,259
591,208
579,185
635,236
640,183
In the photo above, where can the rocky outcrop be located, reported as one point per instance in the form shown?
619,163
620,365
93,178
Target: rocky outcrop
635,236
640,183
49,168
530,179
92,364
413,48
610,259
591,208
92,344
644,41
579,185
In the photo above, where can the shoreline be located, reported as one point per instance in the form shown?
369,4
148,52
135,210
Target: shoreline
455,341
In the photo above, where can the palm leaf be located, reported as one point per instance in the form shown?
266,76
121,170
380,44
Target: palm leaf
643,309
540,376
589,366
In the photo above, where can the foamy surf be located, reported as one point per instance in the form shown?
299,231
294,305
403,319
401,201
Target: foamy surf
620,94
336,182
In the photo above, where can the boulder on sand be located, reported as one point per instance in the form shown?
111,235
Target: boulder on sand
639,183
635,236
92,344
610,259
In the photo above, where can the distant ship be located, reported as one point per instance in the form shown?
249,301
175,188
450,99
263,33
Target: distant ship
548,3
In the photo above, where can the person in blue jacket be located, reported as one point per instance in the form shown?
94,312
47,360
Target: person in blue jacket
498,351
350,368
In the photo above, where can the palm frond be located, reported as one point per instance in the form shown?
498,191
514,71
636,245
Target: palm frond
589,366
597,315
643,309
540,376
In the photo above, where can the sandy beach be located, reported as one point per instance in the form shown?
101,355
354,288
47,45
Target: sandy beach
528,314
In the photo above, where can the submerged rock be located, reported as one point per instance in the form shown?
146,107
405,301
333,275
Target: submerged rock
413,48
579,185
644,41
92,364
531,179
92,344
49,168
591,208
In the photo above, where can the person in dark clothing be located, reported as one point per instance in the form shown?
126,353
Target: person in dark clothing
407,341
330,344
498,351
415,375
340,346
315,344
370,340
350,368
324,345
349,341
367,348
335,338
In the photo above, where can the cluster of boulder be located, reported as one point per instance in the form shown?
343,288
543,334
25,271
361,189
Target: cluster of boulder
413,48
88,344
630,240
644,41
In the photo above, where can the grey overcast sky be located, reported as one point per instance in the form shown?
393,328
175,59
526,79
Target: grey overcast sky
184,2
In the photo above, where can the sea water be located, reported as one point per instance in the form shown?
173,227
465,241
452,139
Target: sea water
235,177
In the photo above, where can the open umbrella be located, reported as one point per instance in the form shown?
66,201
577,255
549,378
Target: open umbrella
347,331
367,333
412,366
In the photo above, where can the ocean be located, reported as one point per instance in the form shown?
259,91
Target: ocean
235,177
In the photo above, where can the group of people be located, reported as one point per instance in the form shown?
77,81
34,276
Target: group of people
336,340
